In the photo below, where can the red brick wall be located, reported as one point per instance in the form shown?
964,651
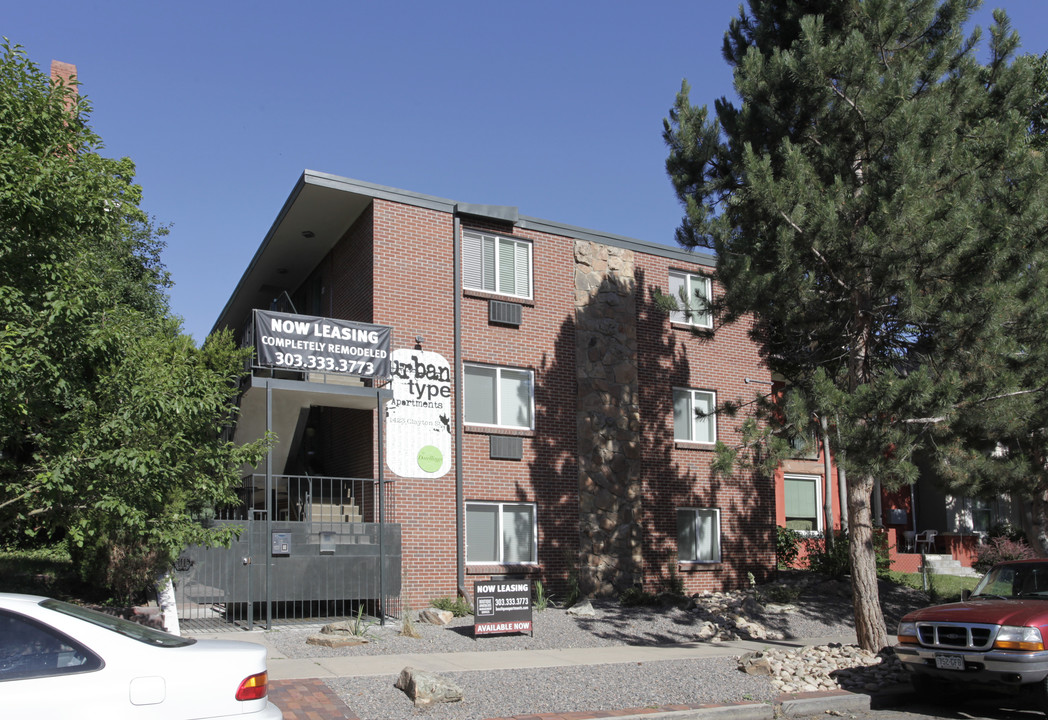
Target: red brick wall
395,268
413,293
547,475
680,475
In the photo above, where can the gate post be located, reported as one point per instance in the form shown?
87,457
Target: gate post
381,511
269,509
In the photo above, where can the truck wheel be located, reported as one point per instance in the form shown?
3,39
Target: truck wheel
1040,695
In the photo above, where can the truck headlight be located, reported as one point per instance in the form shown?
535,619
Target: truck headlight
907,633
1012,637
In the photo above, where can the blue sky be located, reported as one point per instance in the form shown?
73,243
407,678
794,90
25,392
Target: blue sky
553,107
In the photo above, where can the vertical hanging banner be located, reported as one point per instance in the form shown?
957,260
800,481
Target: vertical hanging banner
318,344
418,418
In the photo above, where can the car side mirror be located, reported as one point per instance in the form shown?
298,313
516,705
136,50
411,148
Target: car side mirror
965,595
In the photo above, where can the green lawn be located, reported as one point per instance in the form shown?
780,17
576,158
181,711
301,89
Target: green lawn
941,588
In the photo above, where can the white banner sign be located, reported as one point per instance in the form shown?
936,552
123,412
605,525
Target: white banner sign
418,418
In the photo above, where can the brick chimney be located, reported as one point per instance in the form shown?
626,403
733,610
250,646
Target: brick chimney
65,72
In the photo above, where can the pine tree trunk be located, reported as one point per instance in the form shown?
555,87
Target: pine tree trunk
866,601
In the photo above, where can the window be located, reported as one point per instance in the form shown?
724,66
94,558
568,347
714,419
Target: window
30,649
693,416
805,443
982,516
496,264
692,293
498,396
500,533
698,535
802,502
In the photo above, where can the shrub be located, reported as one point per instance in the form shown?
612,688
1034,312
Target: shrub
787,547
457,606
127,569
998,550
1007,530
542,598
636,596
673,584
837,561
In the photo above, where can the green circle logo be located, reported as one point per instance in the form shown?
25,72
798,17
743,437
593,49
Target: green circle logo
430,459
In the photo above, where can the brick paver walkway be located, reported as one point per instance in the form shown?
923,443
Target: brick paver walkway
308,700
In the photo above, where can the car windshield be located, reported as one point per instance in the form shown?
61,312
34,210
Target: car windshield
126,628
1014,581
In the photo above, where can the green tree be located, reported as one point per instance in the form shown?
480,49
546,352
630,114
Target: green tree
875,203
110,418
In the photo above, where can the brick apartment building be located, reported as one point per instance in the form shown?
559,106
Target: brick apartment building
574,449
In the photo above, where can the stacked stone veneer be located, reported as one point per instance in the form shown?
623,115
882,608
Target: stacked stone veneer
609,421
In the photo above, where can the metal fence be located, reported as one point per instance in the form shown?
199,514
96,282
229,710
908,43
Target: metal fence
322,555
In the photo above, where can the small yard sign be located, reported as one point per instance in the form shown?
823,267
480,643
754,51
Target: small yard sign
501,606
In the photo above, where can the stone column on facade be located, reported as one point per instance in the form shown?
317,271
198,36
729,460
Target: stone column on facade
610,559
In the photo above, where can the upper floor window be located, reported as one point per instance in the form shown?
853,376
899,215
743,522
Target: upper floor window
693,415
499,396
692,293
496,264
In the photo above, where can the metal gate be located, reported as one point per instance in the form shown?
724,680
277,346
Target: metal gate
323,554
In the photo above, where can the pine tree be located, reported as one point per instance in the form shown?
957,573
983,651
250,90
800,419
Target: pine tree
874,201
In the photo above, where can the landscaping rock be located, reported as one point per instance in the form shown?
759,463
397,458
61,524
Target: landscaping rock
433,616
425,688
583,608
335,641
755,663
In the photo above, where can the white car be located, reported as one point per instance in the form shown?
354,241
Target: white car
60,661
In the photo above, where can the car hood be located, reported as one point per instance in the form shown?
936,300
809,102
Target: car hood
1027,611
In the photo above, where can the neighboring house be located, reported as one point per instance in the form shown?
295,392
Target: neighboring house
582,446
921,518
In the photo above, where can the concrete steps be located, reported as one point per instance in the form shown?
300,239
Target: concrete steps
326,512
947,565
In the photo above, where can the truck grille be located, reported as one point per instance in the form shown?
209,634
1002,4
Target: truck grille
957,636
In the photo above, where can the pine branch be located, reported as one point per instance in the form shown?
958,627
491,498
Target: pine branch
991,398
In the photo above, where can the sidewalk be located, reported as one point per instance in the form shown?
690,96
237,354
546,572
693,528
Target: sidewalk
297,685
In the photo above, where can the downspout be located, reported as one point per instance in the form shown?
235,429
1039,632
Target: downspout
460,509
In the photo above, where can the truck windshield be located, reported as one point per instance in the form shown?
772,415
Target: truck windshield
1014,581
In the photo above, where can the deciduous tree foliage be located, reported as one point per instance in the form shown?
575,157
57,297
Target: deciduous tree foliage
874,199
110,418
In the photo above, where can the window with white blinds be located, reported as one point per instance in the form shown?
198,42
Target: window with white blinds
801,500
496,264
698,535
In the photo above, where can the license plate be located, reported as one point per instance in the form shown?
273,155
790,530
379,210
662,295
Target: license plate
949,662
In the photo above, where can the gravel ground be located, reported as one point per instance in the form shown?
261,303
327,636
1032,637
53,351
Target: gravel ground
822,609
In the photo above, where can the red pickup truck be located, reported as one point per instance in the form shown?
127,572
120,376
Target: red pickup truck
994,636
